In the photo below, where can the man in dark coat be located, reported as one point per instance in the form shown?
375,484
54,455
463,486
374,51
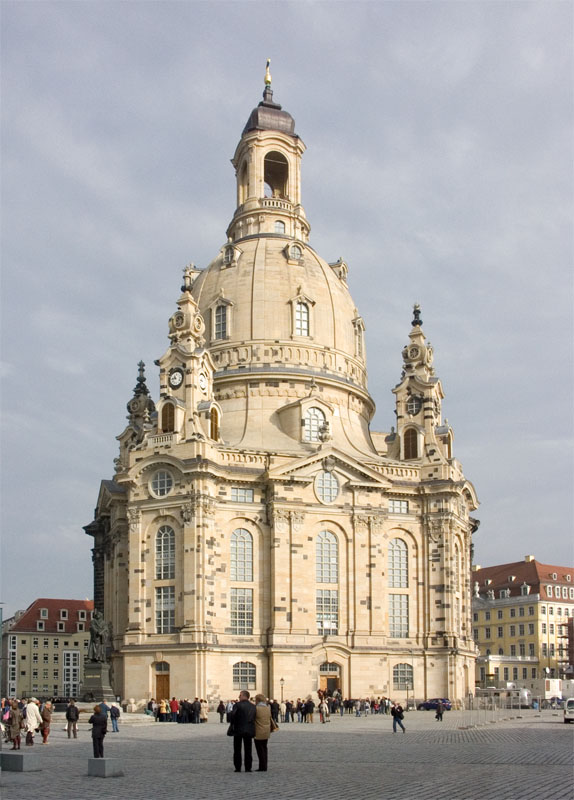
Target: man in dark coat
99,723
275,708
243,721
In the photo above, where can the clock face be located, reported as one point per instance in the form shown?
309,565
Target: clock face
175,378
414,405
203,381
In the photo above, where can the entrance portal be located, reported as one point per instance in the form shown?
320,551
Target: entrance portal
329,677
162,681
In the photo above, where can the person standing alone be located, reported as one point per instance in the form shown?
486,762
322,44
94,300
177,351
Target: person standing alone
99,723
72,716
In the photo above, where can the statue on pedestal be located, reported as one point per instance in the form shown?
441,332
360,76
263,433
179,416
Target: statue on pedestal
98,638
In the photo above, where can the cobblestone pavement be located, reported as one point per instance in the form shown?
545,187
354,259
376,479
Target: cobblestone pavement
527,758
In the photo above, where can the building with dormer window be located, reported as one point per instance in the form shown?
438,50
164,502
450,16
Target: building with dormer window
256,528
522,623
44,649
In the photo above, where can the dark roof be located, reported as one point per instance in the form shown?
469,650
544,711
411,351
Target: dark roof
269,116
27,622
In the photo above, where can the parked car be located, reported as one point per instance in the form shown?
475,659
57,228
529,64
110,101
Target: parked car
431,705
569,710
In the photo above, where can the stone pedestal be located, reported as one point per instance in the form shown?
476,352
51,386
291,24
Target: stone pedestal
105,768
96,686
19,762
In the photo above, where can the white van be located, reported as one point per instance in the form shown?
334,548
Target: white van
569,709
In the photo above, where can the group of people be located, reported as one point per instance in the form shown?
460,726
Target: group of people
26,717
29,717
183,711
255,722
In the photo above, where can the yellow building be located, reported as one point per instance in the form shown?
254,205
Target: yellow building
256,529
521,613
44,648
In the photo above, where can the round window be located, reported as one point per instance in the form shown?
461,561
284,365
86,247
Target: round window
326,487
161,483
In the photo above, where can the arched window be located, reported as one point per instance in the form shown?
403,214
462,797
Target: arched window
168,418
411,443
279,226
398,564
295,252
214,424
244,675
244,184
241,555
165,553
220,328
314,419
327,558
403,676
275,174
301,319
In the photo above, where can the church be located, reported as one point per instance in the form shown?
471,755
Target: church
257,533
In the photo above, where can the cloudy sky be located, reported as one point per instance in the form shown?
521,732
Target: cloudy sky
439,165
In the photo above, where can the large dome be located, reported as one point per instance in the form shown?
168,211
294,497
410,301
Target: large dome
270,278
281,327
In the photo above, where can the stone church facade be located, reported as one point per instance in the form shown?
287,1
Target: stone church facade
256,533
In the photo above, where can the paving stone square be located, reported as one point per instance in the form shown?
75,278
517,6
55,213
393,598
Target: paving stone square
519,758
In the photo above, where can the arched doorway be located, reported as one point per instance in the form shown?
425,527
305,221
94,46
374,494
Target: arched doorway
162,680
329,677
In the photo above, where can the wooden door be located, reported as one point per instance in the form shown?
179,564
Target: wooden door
162,686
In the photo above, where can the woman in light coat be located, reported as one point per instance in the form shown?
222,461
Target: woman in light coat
263,724
33,720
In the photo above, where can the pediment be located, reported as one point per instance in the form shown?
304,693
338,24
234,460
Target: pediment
305,469
109,490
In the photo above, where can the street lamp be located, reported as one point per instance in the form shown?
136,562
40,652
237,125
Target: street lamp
282,684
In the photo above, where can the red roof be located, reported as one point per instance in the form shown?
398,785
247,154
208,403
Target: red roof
538,576
33,614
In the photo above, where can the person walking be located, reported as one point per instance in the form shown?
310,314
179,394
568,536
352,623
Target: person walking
263,727
99,723
439,711
72,716
221,710
243,721
398,716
